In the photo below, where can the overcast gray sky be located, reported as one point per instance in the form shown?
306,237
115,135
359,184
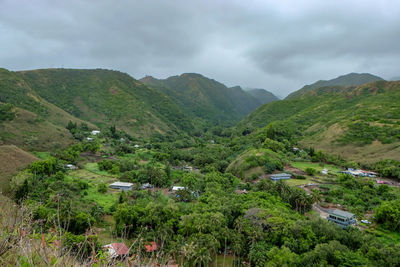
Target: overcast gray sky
276,45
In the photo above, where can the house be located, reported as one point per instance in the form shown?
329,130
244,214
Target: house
95,132
280,176
239,192
360,173
187,168
122,186
383,182
117,250
146,185
89,138
324,171
342,218
176,188
151,246
136,146
70,167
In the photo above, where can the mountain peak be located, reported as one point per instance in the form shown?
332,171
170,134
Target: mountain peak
350,79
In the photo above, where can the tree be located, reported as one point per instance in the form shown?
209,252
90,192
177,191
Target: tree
102,188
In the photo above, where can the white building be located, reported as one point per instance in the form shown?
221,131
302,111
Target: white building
95,132
122,186
176,188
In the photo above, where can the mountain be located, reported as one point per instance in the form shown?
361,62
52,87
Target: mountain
397,78
351,79
34,123
204,98
262,95
359,122
105,97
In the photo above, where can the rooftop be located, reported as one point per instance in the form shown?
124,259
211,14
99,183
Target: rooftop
152,246
121,184
281,175
342,213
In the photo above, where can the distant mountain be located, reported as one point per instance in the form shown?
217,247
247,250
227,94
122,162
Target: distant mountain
358,122
397,78
204,98
351,79
262,95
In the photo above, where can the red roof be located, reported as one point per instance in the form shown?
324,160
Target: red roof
120,248
152,246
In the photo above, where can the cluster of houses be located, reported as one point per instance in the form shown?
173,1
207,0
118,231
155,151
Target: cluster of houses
123,186
360,173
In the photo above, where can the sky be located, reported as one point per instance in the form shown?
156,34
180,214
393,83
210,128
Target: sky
276,45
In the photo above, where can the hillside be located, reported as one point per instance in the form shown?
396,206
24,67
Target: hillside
263,96
204,98
106,97
35,124
360,123
12,159
351,79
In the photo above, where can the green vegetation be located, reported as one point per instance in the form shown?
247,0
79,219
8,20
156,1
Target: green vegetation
349,121
208,100
226,209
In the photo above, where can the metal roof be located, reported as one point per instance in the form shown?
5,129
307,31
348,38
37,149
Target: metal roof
342,213
121,184
281,175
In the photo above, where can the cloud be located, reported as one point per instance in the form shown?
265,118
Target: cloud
276,45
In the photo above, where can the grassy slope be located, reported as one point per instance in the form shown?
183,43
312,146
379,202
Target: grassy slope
12,160
38,125
107,97
328,117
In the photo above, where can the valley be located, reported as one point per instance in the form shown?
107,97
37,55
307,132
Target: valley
196,160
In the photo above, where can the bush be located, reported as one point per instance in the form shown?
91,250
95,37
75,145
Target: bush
311,171
102,188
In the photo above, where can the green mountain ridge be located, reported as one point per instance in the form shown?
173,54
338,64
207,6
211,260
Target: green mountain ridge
351,79
361,123
205,98
106,97
262,95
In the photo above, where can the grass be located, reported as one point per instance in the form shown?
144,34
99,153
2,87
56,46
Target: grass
297,182
42,155
94,168
13,159
94,179
221,263
304,165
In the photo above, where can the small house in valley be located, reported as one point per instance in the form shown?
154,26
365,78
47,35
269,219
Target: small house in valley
146,186
280,176
70,167
95,132
122,186
176,188
342,218
117,250
151,246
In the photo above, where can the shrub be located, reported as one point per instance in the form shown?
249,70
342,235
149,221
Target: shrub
102,188
311,171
